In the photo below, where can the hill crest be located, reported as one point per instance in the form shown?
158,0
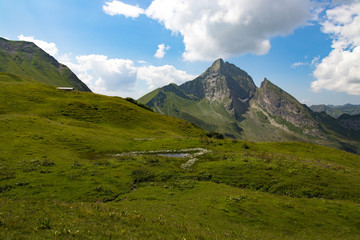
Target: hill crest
28,60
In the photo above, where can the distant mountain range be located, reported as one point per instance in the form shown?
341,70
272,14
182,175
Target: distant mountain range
225,99
337,111
28,60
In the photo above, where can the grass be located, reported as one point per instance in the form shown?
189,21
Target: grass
61,177
28,60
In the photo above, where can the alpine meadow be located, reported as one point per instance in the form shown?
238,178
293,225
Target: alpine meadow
206,153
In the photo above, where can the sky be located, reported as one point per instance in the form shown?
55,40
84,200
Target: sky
309,48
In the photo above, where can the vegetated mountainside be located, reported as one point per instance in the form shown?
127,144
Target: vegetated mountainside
350,122
225,99
26,98
68,170
215,100
337,111
28,60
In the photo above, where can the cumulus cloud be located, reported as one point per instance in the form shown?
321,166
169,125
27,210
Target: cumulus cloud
218,28
105,75
120,8
50,48
339,2
159,76
161,51
120,76
340,71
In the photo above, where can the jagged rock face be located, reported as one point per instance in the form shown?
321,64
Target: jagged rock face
225,99
278,103
223,82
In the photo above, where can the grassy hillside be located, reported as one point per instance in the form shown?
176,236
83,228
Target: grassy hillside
68,170
211,116
28,60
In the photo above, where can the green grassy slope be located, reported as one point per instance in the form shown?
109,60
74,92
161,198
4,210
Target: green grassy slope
211,116
61,177
28,60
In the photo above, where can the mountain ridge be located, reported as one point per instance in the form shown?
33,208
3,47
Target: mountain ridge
28,60
225,99
337,111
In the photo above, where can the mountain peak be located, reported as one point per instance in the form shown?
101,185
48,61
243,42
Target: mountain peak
277,102
264,83
217,65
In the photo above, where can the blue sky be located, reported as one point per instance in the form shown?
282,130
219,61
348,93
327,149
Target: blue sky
311,49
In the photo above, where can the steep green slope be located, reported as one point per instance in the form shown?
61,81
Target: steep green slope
69,170
38,113
26,59
209,115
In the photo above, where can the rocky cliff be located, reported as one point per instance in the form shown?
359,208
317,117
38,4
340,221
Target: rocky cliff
225,99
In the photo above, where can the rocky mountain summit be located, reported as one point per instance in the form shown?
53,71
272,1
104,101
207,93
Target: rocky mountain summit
278,103
223,83
225,99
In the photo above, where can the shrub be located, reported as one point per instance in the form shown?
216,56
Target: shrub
139,104
47,163
141,175
215,135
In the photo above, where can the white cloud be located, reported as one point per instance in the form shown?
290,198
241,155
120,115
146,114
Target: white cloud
338,2
65,58
161,51
314,62
119,8
219,28
298,64
305,101
163,75
340,71
50,48
105,75
118,77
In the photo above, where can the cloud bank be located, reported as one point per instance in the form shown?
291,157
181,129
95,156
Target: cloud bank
218,28
159,76
116,77
340,70
120,76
